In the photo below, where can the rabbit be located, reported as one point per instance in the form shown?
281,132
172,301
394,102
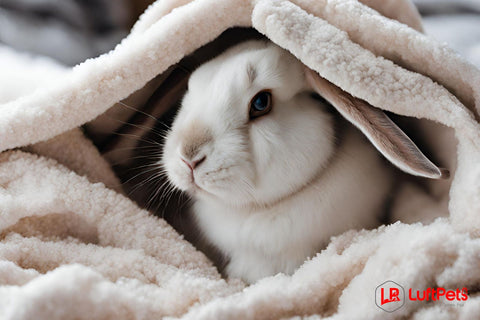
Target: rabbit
272,175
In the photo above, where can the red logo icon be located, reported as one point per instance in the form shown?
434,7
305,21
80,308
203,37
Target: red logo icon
389,296
394,296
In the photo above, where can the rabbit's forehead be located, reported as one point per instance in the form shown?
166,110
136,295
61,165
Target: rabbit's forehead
239,70
219,89
213,105
228,78
237,78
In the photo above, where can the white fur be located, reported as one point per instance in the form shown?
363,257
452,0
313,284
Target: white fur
271,191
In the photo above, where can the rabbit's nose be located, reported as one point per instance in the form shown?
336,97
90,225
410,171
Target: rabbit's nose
192,164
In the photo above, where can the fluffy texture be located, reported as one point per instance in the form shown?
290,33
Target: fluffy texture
71,247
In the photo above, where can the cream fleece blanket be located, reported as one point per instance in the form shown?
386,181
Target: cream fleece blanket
74,247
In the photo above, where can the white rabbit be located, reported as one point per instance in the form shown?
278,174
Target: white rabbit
272,176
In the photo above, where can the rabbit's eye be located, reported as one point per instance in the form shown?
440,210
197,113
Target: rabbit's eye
260,104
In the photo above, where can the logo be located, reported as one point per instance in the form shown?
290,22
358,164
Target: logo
389,296
435,294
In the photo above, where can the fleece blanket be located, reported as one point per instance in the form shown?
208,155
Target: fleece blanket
74,246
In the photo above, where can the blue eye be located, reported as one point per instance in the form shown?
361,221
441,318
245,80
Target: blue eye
260,104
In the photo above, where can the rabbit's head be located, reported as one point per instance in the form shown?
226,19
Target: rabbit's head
249,132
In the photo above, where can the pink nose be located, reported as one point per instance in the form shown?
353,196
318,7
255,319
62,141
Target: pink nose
192,164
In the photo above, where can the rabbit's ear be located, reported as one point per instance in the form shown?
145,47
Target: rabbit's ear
384,134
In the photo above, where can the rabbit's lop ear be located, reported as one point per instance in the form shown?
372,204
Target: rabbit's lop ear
384,134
